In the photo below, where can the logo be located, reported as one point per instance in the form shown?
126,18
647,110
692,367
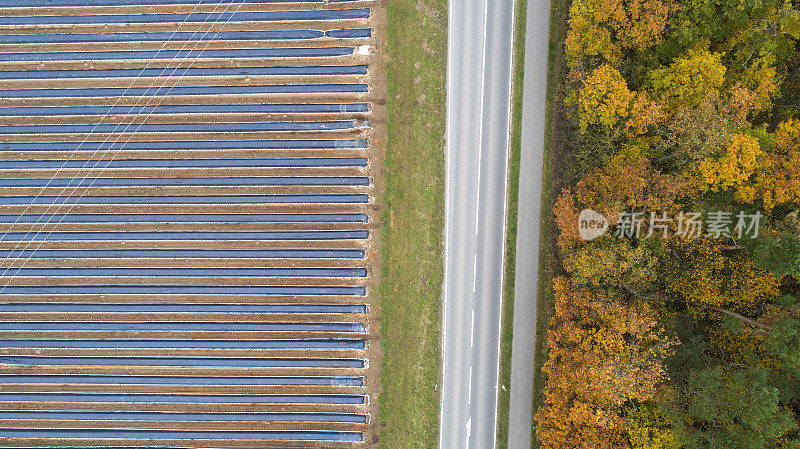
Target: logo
591,224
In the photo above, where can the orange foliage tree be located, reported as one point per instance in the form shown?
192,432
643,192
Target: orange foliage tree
603,353
628,181
778,178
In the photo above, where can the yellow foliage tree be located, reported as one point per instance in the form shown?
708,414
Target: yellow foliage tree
762,79
615,263
644,113
649,429
708,278
601,29
688,79
734,168
604,99
587,37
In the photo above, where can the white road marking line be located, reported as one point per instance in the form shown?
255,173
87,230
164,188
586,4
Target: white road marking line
475,274
469,390
472,332
478,195
469,431
451,31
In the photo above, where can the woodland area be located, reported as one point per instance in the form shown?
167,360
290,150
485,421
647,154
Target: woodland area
677,339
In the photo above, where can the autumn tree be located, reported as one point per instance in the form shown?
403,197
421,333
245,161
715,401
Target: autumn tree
733,167
648,428
604,100
589,42
615,263
565,214
688,80
695,133
603,353
778,177
645,114
761,77
707,279
601,29
628,181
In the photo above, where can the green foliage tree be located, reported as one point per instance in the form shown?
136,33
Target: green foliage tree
719,22
732,408
779,255
784,341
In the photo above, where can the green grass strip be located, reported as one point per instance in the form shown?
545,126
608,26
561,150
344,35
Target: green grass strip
413,223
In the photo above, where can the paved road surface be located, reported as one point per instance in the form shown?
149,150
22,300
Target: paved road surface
479,81
530,206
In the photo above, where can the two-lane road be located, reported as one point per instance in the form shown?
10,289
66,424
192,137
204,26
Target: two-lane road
478,116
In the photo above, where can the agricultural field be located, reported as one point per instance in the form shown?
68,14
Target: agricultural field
675,314
187,223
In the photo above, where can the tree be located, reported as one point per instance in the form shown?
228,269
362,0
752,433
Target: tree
719,23
734,286
761,77
777,180
645,113
694,133
688,80
728,408
628,181
604,100
733,167
648,428
780,255
784,342
601,29
587,39
615,263
565,213
603,353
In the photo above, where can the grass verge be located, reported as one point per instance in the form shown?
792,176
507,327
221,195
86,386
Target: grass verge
413,223
507,324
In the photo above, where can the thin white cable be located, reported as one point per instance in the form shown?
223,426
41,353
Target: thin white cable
105,141
108,161
118,138
133,81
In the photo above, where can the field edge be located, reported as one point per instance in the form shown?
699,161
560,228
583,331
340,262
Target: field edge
412,226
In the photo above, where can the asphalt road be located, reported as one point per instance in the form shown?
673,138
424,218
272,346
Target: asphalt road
528,219
478,115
